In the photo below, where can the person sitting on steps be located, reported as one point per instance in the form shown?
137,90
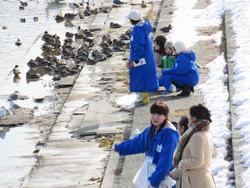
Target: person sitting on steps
184,75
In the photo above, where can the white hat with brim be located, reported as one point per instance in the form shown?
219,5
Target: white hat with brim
135,15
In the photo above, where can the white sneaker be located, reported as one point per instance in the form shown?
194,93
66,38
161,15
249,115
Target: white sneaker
140,98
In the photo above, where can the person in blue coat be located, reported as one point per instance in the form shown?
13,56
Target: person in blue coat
158,142
141,65
184,75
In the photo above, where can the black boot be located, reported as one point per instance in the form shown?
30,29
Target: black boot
185,91
191,88
178,86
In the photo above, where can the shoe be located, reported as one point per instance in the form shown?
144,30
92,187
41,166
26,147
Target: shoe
139,99
192,89
185,91
145,98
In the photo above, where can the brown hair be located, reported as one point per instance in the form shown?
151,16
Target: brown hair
160,41
200,111
183,122
159,107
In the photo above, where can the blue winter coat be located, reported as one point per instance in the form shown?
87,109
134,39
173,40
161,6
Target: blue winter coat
142,78
161,147
184,71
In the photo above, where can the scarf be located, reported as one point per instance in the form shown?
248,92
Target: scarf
199,125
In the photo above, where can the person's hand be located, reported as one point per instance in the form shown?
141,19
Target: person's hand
129,65
175,174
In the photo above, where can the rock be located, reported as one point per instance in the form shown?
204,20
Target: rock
114,25
59,18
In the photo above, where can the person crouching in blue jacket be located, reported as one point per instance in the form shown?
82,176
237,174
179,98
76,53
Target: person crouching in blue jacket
184,75
157,141
141,64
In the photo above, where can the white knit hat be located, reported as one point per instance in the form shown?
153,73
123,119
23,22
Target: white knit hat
135,15
168,45
179,47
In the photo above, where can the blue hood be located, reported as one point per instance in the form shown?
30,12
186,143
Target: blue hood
190,54
145,25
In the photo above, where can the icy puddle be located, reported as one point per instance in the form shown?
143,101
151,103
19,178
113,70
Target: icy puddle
16,154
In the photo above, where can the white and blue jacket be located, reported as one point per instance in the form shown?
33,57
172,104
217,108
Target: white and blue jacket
160,147
142,78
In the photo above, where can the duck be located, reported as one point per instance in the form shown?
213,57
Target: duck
18,42
35,19
143,4
16,70
80,31
21,7
24,3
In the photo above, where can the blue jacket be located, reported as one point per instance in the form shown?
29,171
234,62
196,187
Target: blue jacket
184,68
161,147
142,78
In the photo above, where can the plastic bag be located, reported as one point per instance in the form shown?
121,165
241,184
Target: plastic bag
141,178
